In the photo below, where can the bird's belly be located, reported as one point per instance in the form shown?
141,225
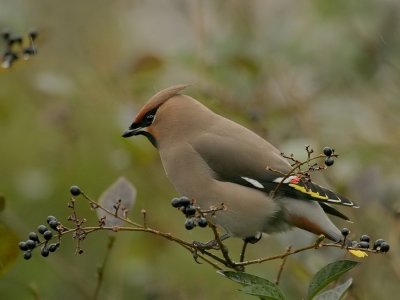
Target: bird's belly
246,211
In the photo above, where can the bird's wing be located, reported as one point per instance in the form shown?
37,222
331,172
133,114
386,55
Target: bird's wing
245,161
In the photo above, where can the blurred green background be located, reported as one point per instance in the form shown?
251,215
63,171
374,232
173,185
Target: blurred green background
297,72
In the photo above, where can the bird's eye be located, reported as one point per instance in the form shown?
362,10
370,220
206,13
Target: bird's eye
149,118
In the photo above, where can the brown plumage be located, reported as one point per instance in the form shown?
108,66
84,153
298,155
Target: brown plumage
214,160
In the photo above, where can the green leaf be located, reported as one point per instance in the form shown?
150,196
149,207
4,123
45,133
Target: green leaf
254,285
268,292
121,190
8,248
328,274
336,293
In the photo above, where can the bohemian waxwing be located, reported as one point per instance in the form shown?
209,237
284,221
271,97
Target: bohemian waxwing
214,160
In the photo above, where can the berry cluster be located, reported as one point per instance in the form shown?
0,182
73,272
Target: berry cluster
380,245
328,151
16,47
47,234
192,213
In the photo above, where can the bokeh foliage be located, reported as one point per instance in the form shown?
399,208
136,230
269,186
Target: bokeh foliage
298,72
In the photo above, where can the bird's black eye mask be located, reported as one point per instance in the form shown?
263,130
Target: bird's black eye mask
148,118
146,121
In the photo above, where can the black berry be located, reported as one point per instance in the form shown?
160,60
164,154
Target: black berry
345,231
6,35
176,202
329,161
189,210
23,246
384,247
181,202
53,224
378,243
364,238
47,235
75,190
42,229
364,245
33,236
53,247
185,201
30,244
29,51
51,218
44,252
15,40
33,34
190,224
27,254
328,151
202,222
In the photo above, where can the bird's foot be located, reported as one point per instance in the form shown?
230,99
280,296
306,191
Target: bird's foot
210,245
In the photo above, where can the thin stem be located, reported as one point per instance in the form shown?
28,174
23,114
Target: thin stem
294,168
278,277
100,271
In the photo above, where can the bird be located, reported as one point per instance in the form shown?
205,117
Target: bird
214,161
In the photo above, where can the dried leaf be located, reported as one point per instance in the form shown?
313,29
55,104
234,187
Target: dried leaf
119,198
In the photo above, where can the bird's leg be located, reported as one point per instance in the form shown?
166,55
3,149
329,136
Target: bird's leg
213,244
246,241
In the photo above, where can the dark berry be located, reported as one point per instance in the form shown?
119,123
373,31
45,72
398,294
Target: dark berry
328,151
27,254
345,231
33,236
29,51
190,224
53,247
189,210
378,243
42,229
44,252
185,201
329,161
202,222
47,235
15,40
23,246
364,238
384,247
30,244
51,218
33,34
176,202
53,224
75,190
181,202
6,35
364,245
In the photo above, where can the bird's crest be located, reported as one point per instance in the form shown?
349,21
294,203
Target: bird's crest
158,99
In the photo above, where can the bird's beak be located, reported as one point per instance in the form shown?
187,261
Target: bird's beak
133,131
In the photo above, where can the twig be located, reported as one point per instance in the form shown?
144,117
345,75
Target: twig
224,250
100,270
278,277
